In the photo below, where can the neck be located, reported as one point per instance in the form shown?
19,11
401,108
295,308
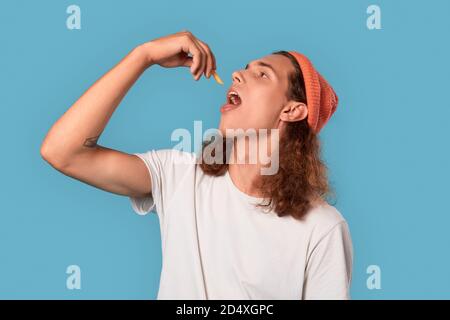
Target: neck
245,169
246,177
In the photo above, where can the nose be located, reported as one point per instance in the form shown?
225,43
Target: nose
237,77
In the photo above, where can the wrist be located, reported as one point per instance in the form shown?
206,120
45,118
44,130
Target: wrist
143,51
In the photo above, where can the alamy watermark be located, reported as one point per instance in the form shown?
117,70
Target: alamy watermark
73,281
374,280
373,21
238,146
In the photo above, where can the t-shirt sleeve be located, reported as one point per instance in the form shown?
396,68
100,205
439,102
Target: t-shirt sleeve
165,167
329,266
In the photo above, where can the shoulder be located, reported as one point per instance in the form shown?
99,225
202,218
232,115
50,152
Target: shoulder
172,156
323,218
325,214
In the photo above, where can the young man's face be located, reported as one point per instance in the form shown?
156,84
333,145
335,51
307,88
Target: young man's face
262,89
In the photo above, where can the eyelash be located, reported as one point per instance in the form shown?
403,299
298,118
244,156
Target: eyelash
261,72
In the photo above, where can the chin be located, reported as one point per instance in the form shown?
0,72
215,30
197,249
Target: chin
223,130
236,125
223,126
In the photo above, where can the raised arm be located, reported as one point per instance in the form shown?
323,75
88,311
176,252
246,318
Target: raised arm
71,143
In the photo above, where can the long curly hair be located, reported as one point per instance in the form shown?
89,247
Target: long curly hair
302,176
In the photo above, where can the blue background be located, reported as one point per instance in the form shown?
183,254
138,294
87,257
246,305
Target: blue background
386,146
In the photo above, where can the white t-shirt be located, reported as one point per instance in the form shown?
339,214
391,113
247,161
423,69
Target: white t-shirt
217,245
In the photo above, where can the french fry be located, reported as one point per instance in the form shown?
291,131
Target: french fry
216,77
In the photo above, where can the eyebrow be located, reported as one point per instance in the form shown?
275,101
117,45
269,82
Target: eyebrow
263,64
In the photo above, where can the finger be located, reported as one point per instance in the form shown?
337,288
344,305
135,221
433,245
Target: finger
192,48
210,59
198,57
203,58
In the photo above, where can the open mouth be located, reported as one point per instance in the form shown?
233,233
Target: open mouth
233,101
234,98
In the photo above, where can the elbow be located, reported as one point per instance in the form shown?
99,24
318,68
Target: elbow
45,152
50,155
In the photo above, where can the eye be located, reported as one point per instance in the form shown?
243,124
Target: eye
262,74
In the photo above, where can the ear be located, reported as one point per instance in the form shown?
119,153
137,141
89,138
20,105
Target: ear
294,111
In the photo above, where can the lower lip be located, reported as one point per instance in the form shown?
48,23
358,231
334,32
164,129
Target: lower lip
228,107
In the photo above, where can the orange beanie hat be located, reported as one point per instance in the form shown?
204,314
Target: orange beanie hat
321,99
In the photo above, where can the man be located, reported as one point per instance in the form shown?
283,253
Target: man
218,242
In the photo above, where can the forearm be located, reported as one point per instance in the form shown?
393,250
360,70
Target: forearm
79,128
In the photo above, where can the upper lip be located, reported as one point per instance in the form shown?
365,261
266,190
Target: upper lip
233,89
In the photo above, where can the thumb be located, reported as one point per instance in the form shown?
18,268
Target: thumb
187,62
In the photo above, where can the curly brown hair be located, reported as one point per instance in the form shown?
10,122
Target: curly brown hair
301,179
